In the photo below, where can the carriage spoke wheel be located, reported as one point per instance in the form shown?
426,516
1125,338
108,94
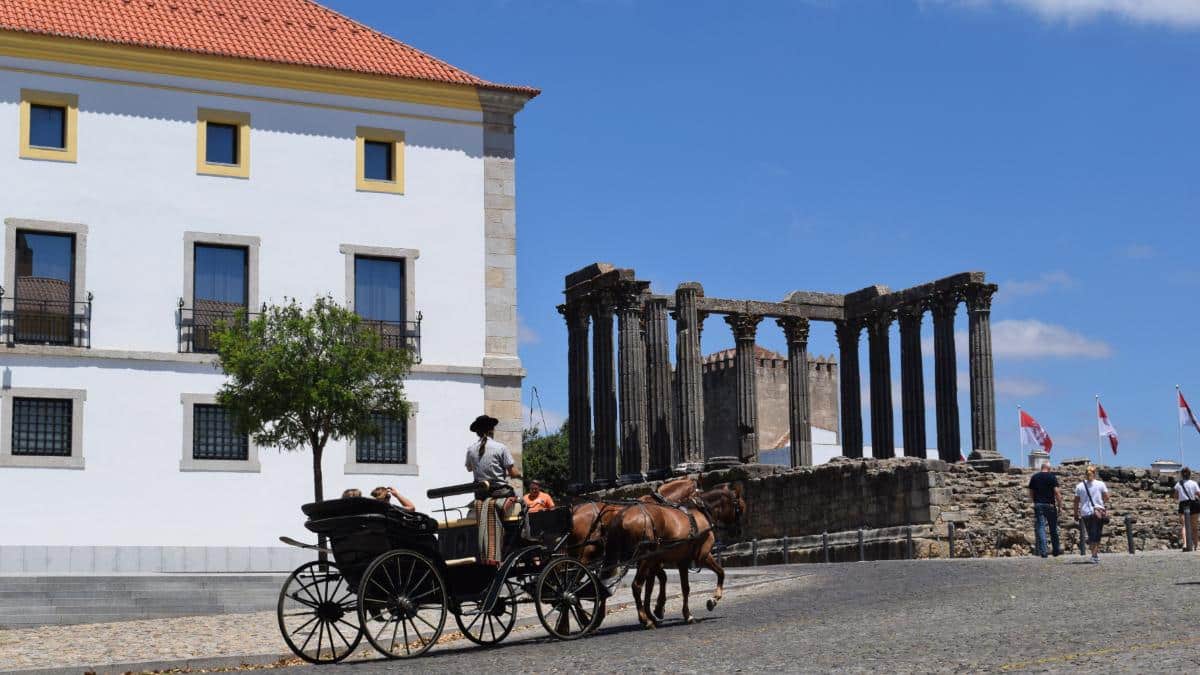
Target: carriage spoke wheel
316,614
402,604
569,599
488,628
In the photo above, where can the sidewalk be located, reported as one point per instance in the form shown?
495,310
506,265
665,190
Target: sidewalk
230,640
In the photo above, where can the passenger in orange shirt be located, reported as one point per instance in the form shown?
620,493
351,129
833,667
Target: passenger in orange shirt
536,500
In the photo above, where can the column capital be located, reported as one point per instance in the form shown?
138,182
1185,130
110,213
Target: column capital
943,304
879,321
847,332
630,295
745,326
909,315
979,297
701,315
577,314
602,304
795,330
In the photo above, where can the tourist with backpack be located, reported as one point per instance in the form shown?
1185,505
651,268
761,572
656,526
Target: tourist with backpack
1091,506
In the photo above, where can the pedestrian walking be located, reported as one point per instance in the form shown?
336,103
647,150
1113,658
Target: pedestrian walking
1047,500
1187,491
1091,506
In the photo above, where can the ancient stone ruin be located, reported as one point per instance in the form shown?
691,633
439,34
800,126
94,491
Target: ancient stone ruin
660,405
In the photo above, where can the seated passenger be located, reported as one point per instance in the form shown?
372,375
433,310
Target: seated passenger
384,494
536,500
351,492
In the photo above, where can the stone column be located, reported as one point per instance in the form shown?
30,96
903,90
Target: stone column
945,376
883,431
912,381
631,365
604,397
795,331
579,422
745,328
688,370
983,393
660,428
847,332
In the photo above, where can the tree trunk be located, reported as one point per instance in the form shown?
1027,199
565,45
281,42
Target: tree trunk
319,492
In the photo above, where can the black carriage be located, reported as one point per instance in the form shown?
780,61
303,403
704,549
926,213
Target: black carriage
396,575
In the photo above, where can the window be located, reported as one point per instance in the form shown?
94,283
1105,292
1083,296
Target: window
214,436
49,123
220,278
210,440
380,160
222,143
388,446
43,428
43,290
379,286
392,451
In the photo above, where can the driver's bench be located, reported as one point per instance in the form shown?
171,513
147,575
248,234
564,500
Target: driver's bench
458,539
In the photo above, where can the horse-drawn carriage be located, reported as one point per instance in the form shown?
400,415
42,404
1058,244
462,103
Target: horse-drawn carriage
396,575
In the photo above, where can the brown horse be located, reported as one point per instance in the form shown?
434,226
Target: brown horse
664,535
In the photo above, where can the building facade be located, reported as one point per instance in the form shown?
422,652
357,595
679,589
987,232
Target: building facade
168,163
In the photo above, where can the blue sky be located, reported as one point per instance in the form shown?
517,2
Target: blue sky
827,145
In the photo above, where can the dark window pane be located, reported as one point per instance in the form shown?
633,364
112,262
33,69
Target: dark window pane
221,143
379,289
214,437
377,161
389,446
43,296
220,276
41,426
47,126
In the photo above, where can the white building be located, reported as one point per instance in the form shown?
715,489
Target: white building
167,161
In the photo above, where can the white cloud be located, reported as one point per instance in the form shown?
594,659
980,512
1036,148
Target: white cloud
525,334
554,421
1031,339
1176,13
1047,281
1017,387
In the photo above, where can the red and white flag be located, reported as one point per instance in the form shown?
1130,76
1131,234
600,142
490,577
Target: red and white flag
1186,418
1034,434
1106,427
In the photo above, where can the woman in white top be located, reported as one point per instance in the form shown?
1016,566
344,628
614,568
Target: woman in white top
1187,491
1091,505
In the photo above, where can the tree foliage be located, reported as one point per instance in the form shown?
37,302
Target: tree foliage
545,458
300,377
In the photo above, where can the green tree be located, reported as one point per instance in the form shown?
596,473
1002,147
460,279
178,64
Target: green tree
545,458
301,377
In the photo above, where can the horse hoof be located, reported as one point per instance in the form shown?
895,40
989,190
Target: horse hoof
690,619
649,625
659,613
711,604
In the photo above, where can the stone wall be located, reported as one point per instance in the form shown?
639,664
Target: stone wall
907,504
771,387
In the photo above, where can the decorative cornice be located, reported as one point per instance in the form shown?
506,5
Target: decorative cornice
245,71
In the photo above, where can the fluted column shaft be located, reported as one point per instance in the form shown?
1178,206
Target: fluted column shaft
745,328
579,422
604,398
688,370
983,393
660,426
945,377
631,366
795,331
851,396
883,433
912,382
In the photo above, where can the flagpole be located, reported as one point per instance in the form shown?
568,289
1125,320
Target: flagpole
1099,450
1178,423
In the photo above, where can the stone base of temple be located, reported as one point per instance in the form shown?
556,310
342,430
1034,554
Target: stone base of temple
659,474
688,467
631,479
988,460
721,462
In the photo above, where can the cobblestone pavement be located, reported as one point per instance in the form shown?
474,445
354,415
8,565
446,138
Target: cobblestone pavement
1128,614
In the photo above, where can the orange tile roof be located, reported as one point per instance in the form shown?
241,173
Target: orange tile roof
297,32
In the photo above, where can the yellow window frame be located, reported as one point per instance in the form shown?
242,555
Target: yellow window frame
242,121
31,97
376,135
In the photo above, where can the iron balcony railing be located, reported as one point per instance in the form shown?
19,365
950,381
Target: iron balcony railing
30,321
398,334
196,327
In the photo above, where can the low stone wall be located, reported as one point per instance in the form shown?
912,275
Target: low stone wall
895,500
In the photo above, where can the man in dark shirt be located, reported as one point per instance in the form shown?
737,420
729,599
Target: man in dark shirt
1043,489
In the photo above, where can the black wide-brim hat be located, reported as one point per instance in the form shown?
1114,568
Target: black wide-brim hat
484,424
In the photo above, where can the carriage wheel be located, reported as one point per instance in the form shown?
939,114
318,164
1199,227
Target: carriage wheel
569,599
316,614
402,604
488,628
